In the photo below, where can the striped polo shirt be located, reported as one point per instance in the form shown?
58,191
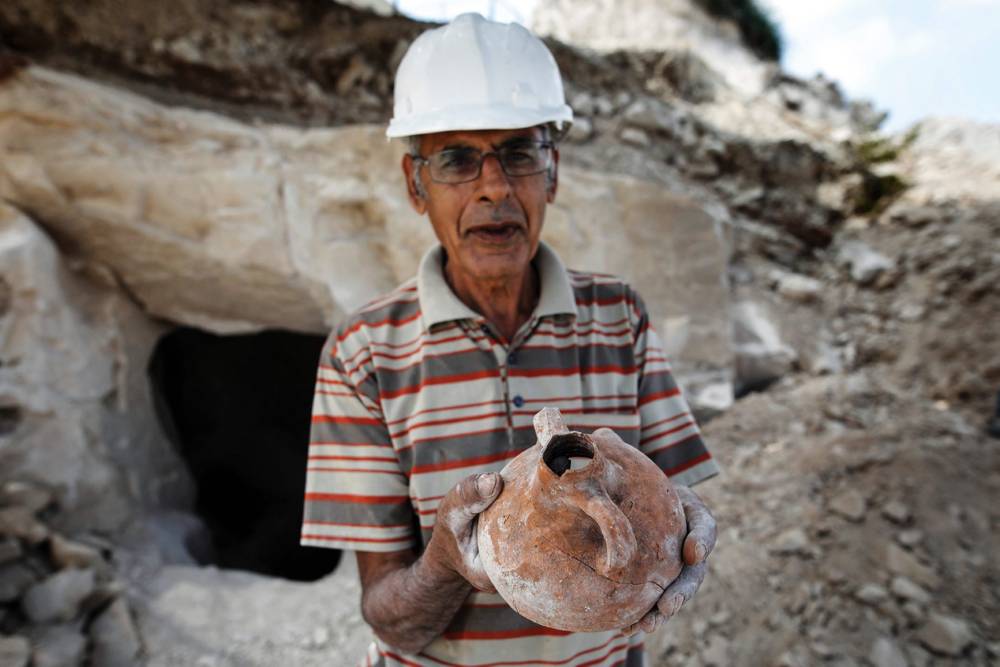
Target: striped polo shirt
416,391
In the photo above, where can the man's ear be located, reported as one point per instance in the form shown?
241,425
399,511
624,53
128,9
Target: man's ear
416,194
553,177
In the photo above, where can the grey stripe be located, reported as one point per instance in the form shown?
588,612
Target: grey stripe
458,447
585,357
677,455
390,381
366,514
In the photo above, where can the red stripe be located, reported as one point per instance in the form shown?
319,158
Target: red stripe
377,540
328,443
624,410
453,420
444,379
336,382
337,419
664,421
385,459
322,392
375,325
506,634
515,663
460,406
683,466
453,436
559,348
606,301
650,438
363,470
354,525
463,463
350,498
424,344
604,397
612,651
427,358
667,393
561,372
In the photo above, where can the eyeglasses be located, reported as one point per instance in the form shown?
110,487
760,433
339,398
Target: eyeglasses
460,165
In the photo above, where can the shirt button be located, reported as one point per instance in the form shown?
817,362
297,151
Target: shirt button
518,401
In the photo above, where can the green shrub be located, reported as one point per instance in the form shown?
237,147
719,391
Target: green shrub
758,30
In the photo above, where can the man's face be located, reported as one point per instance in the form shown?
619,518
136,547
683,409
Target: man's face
489,226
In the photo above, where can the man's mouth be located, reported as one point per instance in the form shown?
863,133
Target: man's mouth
495,233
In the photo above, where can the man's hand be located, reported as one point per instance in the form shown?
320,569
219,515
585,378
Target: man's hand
698,544
409,600
453,544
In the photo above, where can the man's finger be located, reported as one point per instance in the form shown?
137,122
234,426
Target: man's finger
477,492
682,589
701,535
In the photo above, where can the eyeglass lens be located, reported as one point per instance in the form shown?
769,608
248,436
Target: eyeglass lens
457,165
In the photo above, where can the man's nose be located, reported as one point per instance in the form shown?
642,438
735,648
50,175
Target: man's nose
494,183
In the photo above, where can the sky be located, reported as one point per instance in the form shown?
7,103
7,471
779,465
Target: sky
913,58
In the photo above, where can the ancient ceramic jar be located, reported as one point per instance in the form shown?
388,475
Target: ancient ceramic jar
583,537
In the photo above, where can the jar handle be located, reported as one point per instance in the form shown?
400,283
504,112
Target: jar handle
619,540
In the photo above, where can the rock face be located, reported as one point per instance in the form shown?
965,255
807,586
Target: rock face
636,25
76,403
209,222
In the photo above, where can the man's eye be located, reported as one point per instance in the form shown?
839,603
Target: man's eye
457,159
518,156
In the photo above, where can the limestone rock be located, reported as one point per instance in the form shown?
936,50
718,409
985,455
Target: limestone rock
21,523
115,638
10,549
15,651
850,504
231,617
791,541
885,652
32,497
57,646
871,594
58,597
946,635
904,588
906,564
896,511
798,287
67,553
864,263
761,355
85,420
15,578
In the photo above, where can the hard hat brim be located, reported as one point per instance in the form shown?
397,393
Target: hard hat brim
478,118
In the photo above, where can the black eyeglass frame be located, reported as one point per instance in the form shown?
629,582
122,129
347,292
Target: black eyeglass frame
545,146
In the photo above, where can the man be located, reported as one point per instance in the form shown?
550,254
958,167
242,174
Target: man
425,393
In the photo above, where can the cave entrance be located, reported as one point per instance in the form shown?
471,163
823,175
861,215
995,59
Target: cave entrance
237,408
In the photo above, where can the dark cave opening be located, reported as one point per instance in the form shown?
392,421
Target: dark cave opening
237,408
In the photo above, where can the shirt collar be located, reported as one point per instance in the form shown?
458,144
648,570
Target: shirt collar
439,304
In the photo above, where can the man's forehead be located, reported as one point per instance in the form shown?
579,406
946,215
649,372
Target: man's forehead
436,141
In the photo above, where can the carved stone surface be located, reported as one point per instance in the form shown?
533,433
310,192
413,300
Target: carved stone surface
586,533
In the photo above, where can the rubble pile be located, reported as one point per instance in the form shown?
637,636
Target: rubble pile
61,601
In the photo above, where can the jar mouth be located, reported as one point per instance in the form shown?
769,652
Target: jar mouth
568,451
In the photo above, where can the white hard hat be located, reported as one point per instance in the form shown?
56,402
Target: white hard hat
475,74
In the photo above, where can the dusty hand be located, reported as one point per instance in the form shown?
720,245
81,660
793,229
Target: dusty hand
698,544
453,544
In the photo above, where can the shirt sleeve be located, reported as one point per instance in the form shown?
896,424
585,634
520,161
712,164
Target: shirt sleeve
669,434
356,495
